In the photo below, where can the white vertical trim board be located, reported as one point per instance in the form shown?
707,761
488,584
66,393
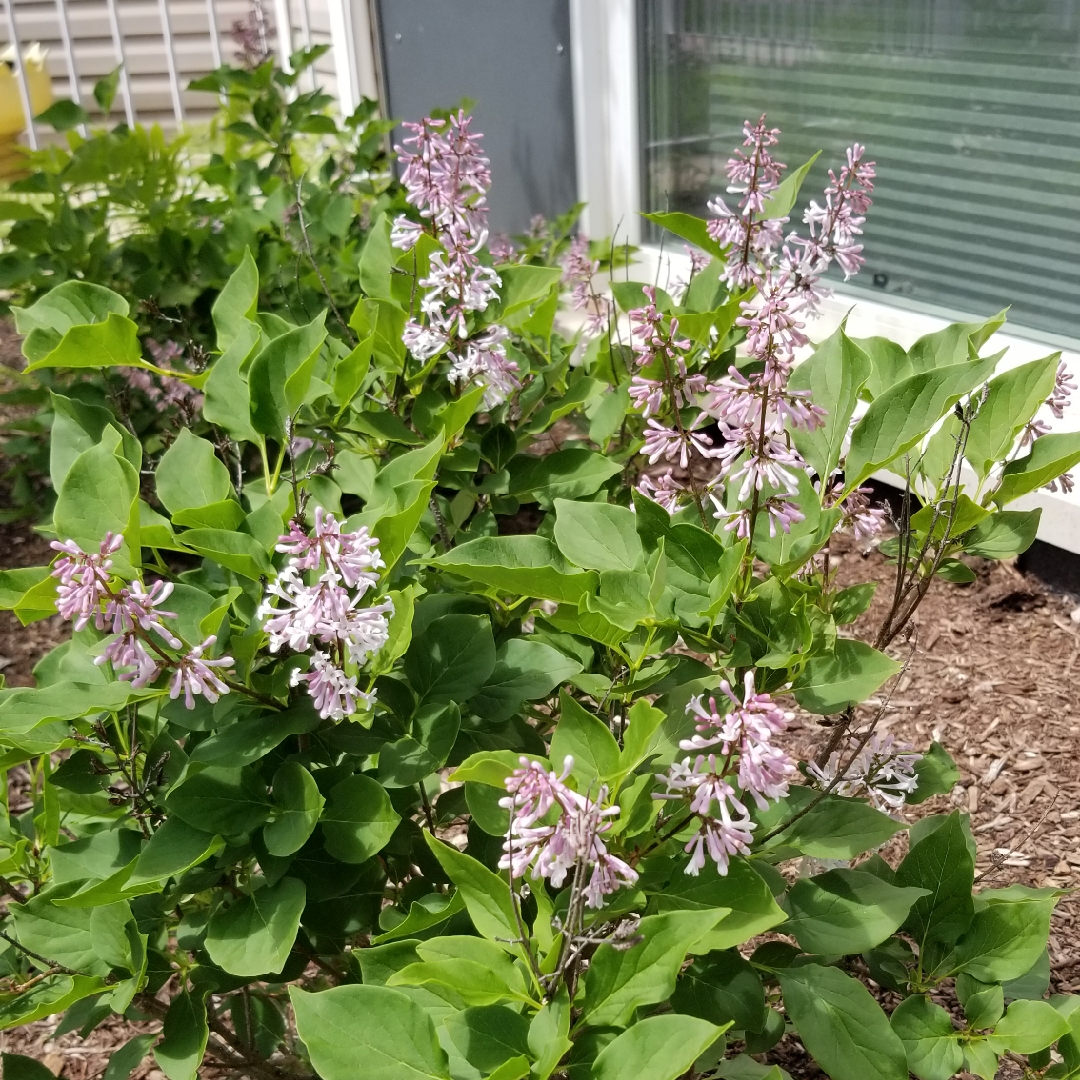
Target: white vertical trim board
603,46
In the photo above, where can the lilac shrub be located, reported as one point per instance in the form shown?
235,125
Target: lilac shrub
345,771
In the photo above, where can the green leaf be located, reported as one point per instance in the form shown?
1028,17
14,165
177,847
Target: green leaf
927,1032
787,551
174,848
98,496
486,895
1032,985
409,760
228,396
246,741
1013,398
943,863
383,1028
835,828
296,795
598,536
722,988
350,372
524,285
586,739
190,474
462,981
237,302
524,671
841,1025
280,375
62,115
526,565
424,914
60,933
1005,937
742,890
254,935
217,800
983,1003
782,201
123,1062
834,373
846,911
656,1048
904,413
848,604
377,260
936,773
689,228
566,474
548,1035
620,981
180,1052
488,1037
452,659
847,676
72,303
358,819
77,427
112,343
105,91
1050,457
1027,1027
53,994
1004,534
236,551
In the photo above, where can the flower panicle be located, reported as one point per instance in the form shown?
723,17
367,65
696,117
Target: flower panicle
536,793
446,177
327,616
733,742
131,613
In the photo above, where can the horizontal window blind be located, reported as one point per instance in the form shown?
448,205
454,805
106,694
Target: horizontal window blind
971,109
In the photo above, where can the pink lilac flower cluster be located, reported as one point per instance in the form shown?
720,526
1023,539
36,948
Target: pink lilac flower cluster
447,178
882,771
554,850
579,268
755,413
1059,400
164,391
858,514
739,747
132,613
326,616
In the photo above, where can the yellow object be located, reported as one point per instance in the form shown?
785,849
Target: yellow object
39,86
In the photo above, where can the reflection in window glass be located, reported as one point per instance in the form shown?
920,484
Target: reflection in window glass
971,109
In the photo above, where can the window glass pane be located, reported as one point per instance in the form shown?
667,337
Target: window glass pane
971,109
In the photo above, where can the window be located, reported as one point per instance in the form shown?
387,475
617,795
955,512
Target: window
971,109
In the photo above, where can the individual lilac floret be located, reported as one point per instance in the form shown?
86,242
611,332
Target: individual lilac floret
84,578
553,851
196,675
883,771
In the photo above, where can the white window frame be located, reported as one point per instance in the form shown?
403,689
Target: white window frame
604,49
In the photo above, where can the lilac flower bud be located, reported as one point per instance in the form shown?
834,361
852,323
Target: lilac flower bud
84,578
